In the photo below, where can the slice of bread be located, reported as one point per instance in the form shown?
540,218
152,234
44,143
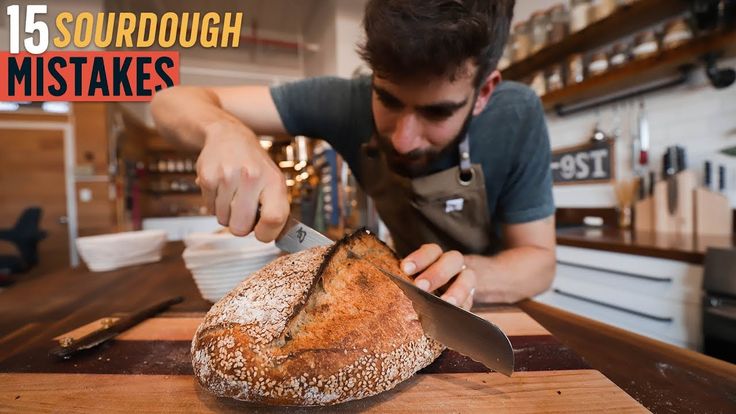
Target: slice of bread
313,328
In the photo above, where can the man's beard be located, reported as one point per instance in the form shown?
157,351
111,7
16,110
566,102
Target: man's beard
418,162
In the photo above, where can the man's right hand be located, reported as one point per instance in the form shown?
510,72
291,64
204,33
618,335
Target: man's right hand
237,176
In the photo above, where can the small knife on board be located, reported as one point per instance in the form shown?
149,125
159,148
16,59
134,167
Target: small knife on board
67,350
453,326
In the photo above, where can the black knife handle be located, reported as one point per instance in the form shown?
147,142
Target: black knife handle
708,172
668,162
721,178
652,182
681,158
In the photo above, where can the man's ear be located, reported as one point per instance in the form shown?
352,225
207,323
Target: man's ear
486,90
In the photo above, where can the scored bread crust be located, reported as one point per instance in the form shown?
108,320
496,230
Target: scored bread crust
313,328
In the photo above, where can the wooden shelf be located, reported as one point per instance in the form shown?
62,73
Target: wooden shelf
626,20
644,71
173,215
172,192
156,173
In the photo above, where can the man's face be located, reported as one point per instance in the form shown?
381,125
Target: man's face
418,121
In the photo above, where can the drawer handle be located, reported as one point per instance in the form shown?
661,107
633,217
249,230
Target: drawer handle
618,272
608,305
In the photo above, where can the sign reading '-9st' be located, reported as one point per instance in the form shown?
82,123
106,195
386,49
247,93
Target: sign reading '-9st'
592,162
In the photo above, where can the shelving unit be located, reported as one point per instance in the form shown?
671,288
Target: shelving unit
172,192
627,19
668,67
667,63
176,173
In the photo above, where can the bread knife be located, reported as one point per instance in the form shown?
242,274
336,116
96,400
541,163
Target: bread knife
65,351
455,327
448,324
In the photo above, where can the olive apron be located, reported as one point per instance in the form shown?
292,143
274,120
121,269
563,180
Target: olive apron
448,208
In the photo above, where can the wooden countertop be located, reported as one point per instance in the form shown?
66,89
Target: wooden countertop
665,246
661,377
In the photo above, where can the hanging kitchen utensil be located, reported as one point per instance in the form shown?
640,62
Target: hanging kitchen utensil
643,129
598,134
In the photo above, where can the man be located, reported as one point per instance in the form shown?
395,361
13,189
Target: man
456,161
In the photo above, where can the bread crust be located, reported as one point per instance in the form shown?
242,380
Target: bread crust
313,328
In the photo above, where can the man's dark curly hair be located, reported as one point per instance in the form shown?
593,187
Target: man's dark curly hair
406,39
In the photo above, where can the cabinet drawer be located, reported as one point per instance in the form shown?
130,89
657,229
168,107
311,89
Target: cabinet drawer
655,297
661,317
631,284
684,276
656,329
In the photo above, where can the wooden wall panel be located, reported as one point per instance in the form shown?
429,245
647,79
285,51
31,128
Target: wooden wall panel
32,173
96,216
91,134
33,116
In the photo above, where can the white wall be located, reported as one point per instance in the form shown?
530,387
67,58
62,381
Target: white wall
336,26
321,29
695,115
349,34
524,8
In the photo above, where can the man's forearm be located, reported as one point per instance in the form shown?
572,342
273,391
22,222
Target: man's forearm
513,274
183,114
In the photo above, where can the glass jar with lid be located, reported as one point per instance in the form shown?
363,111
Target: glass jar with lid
538,84
676,33
598,64
579,14
554,78
603,9
539,30
645,45
522,40
619,54
575,69
559,23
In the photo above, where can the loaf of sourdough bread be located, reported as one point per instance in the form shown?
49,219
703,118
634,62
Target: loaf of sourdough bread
313,328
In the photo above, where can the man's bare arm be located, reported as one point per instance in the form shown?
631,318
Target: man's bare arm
235,174
184,113
524,270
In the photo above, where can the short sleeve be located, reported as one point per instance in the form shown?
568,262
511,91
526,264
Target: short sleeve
527,191
334,109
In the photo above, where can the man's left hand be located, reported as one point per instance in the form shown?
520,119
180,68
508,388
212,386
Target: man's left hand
435,268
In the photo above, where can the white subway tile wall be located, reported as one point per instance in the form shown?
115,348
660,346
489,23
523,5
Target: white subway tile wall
695,115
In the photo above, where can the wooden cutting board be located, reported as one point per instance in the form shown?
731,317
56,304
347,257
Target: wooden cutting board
148,369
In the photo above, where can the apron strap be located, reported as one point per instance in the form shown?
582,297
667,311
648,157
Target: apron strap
466,169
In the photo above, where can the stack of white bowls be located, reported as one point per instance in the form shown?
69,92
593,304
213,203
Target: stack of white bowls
220,261
112,251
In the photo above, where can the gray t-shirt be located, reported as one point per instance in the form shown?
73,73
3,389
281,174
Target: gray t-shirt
509,138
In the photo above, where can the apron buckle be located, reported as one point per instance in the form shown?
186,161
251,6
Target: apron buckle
465,177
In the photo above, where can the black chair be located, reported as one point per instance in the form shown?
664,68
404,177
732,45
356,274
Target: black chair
25,235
